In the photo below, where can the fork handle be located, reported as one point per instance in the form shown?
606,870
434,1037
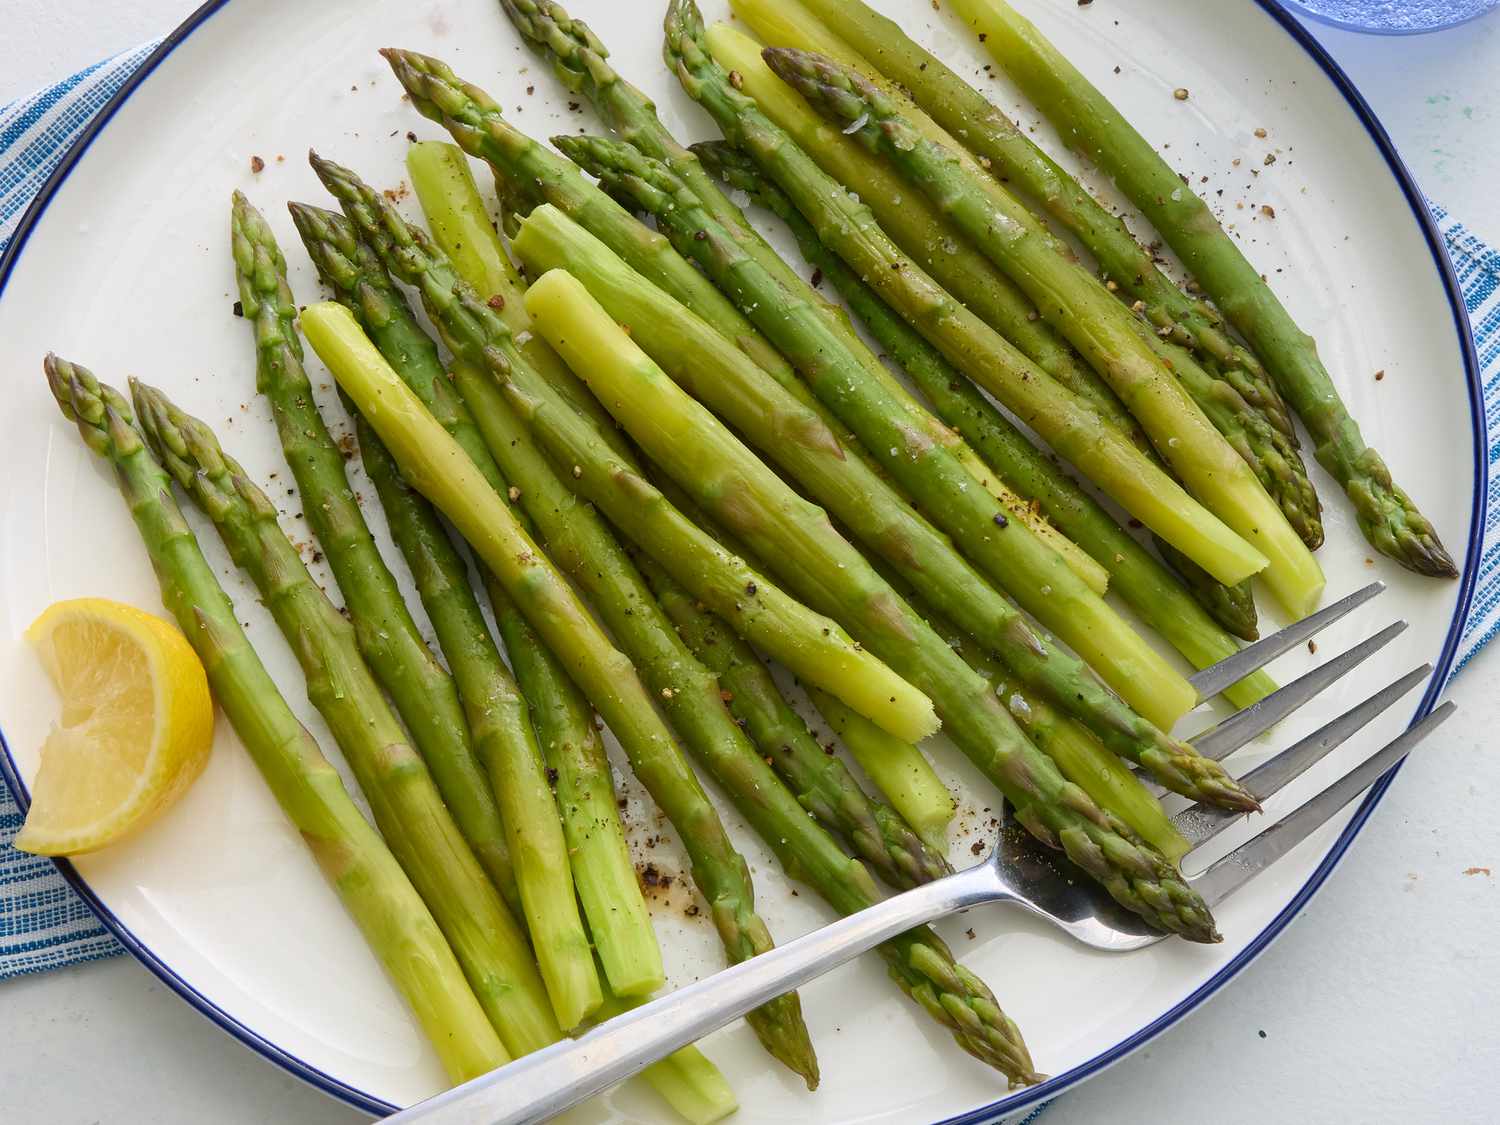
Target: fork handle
548,1081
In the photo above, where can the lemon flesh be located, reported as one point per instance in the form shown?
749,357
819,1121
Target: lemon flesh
135,730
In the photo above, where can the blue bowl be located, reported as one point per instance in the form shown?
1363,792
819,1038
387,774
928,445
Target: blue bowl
1393,17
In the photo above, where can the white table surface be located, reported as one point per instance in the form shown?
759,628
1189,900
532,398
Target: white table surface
1381,1003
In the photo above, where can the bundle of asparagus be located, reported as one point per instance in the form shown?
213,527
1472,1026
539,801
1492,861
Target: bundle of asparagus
672,429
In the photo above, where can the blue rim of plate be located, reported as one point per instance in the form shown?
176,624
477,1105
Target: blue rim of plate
1033,1095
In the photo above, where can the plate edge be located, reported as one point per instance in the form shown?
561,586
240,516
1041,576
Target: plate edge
986,1115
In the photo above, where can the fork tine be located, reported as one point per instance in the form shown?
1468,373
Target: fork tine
1202,822
1220,741
1232,669
1226,875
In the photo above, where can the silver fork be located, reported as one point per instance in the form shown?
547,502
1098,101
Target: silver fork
1018,871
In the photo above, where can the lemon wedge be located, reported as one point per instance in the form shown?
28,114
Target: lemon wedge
136,726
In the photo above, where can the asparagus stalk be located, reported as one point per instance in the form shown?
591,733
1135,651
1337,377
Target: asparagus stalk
438,467
1016,159
805,642
562,719
694,356
920,963
875,832
914,223
582,63
1145,585
898,769
1078,306
1386,515
1009,555
460,225
504,739
687,1079
1067,422
396,924
388,638
407,807
694,448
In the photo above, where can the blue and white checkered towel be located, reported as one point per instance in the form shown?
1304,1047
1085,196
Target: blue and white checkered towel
43,924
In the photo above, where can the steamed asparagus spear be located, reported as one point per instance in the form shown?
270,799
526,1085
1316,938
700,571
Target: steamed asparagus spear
920,963
1063,419
881,45
1009,555
898,769
805,642
503,736
693,447
460,225
694,356
582,63
438,467
1096,324
407,807
1387,516
389,912
1145,585
388,638
602,868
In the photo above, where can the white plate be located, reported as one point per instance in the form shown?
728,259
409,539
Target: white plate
125,267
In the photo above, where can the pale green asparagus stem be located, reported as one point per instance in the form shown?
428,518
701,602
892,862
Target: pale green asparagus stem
503,735
460,225
873,831
898,769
